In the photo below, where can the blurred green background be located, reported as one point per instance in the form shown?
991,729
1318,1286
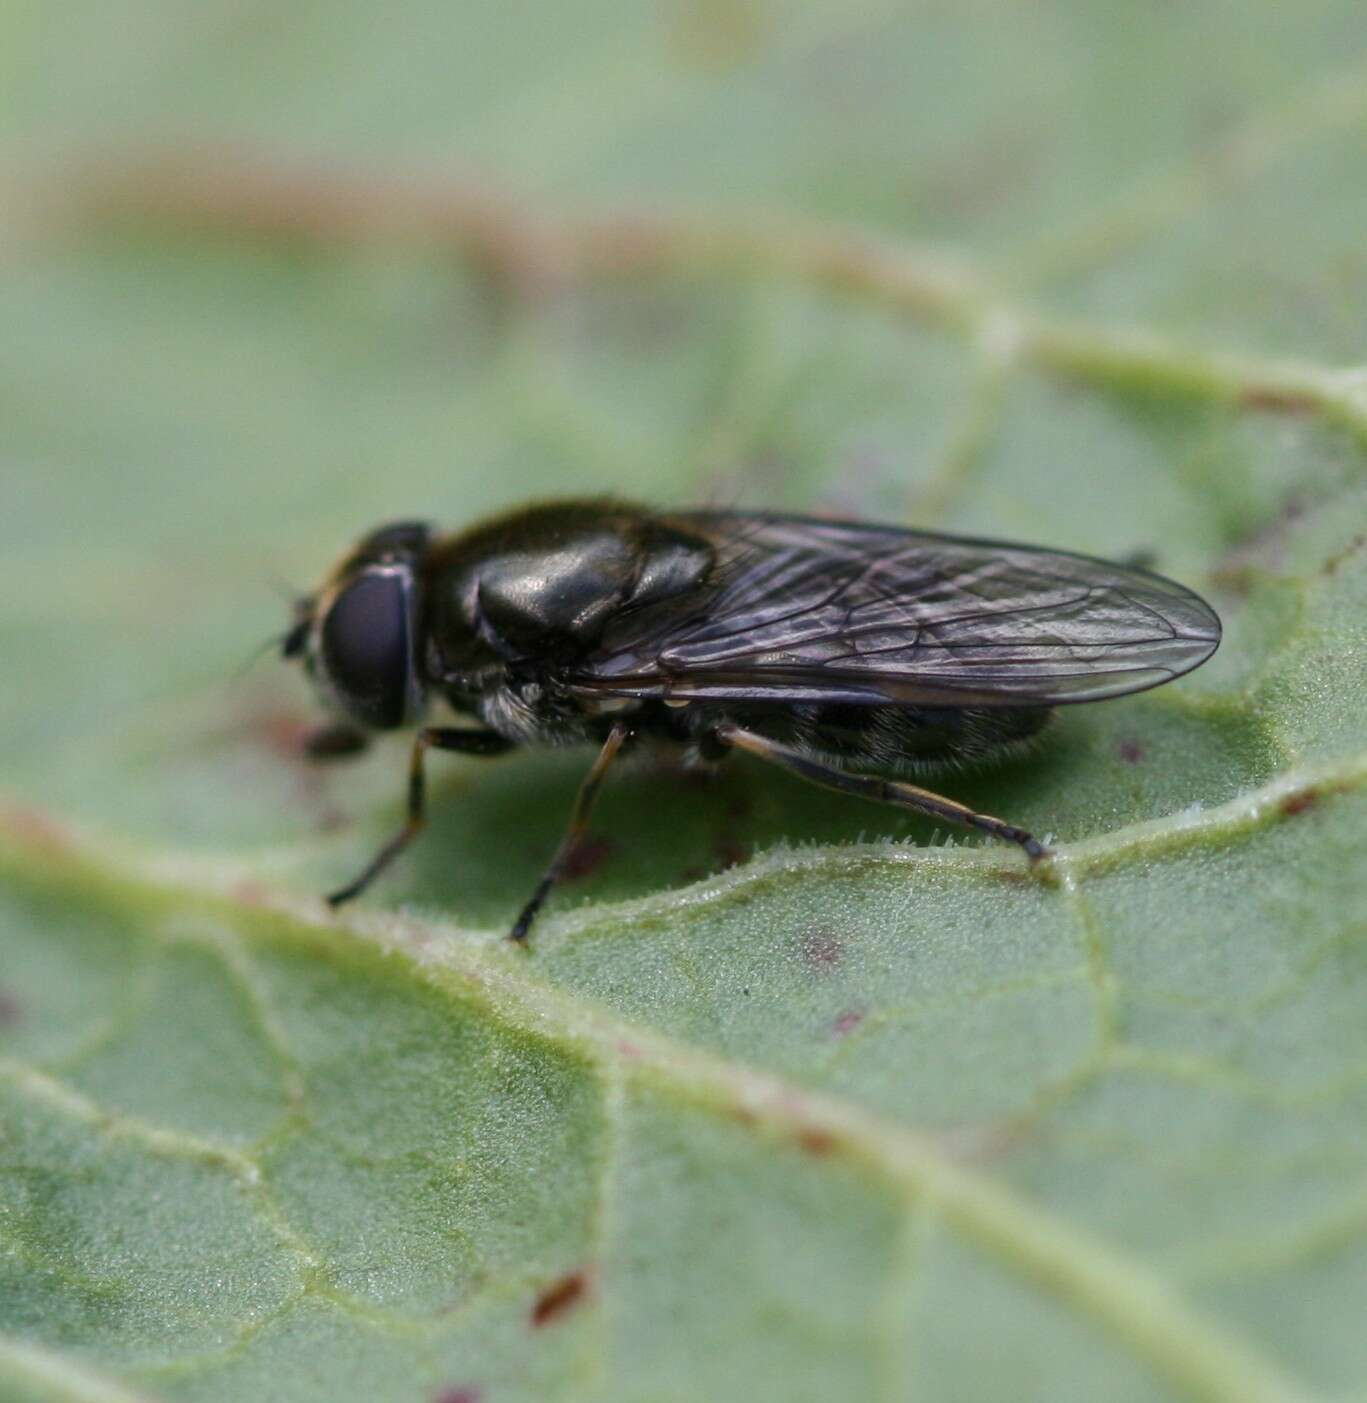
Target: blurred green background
1088,274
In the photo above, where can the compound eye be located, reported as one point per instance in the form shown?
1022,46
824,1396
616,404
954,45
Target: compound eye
366,646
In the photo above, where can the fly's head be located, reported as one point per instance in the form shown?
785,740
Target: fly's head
359,636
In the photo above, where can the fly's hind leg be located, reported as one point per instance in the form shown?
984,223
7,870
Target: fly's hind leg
885,791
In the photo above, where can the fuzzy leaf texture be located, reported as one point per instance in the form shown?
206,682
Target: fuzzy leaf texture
792,1097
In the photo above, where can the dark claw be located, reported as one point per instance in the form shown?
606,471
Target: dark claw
523,924
334,741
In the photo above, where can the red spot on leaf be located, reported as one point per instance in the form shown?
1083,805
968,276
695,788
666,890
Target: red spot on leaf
555,1300
465,1394
1298,803
847,1022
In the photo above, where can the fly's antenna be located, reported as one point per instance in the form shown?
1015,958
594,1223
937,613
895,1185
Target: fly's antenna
274,642
287,592
291,640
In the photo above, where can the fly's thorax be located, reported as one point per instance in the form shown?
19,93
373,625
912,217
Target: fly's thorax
542,585
514,608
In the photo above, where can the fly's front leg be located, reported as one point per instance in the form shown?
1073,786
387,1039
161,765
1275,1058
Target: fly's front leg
886,791
335,740
579,822
430,737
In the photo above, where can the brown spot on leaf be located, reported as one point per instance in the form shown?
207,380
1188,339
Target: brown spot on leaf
283,732
1130,751
847,1022
588,855
815,1140
822,950
1279,399
296,739
460,1394
555,1300
36,829
11,1010
1012,876
1298,803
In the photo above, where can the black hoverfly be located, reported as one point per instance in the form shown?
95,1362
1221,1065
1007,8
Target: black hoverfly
828,648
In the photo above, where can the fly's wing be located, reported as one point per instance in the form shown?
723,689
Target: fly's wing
800,609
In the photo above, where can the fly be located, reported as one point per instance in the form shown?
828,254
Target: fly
831,649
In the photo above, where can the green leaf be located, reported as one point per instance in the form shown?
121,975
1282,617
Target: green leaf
792,1097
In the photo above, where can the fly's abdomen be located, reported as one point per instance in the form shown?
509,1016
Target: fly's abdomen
893,738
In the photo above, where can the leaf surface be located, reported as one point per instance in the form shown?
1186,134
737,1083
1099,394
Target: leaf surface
792,1097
